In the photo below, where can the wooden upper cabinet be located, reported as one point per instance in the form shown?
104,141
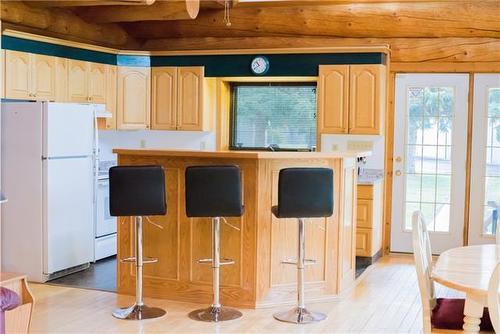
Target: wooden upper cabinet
77,81
43,77
333,98
367,96
133,102
30,76
62,79
111,92
97,83
164,98
190,98
17,75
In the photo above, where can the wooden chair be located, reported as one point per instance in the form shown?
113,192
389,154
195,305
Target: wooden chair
493,298
438,313
18,320
423,264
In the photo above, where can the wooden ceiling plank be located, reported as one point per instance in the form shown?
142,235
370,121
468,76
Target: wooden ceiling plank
402,49
159,11
436,19
80,3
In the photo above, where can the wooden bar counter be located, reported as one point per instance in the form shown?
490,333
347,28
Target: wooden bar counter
258,278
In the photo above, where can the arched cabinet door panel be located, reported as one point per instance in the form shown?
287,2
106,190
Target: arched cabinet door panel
366,99
333,98
164,98
17,75
78,81
133,103
43,78
97,83
190,98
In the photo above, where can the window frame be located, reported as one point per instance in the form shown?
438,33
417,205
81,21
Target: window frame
232,117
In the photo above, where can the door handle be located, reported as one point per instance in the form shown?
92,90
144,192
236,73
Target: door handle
399,159
3,199
398,173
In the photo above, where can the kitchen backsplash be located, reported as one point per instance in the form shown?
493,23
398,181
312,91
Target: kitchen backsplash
108,140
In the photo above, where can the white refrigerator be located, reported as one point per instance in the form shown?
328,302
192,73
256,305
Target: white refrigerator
48,152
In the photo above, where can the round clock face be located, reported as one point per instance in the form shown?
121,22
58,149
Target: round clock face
260,65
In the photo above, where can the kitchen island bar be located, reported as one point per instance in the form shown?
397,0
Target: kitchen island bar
257,241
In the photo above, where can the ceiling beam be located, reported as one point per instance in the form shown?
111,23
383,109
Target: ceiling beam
159,11
63,24
402,49
432,19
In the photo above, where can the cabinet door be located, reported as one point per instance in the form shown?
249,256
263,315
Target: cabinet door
366,99
164,98
364,213
97,83
77,81
43,77
190,98
17,75
134,88
111,96
333,97
2,73
62,79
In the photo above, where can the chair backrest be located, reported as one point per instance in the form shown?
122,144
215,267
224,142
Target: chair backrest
213,191
305,193
423,264
498,235
494,299
137,191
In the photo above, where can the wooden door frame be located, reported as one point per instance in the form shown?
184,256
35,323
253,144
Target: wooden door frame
469,68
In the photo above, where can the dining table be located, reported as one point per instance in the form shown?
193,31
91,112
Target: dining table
468,269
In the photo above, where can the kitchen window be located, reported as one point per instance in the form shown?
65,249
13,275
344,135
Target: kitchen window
273,116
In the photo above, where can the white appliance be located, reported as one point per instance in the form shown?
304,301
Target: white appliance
105,224
48,174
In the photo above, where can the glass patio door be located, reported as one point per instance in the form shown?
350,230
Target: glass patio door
485,166
430,140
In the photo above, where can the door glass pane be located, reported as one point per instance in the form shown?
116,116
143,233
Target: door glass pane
428,155
492,166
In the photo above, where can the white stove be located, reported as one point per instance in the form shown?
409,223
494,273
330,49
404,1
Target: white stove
105,224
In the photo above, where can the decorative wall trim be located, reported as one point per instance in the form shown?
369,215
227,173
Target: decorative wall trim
236,63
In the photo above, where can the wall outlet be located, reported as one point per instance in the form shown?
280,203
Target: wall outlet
335,147
358,145
203,145
142,143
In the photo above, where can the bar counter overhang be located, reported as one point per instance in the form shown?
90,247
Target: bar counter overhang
259,244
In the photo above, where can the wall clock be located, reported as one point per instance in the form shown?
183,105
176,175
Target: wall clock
259,65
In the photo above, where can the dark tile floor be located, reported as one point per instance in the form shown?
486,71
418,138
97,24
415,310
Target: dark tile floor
100,276
361,266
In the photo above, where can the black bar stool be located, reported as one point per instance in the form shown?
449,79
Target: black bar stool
137,191
303,193
215,192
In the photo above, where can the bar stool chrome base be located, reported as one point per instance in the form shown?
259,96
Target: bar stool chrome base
136,312
299,315
215,314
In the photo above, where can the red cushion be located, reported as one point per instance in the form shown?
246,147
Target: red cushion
449,314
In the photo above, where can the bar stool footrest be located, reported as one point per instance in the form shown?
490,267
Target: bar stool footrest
223,262
145,260
307,262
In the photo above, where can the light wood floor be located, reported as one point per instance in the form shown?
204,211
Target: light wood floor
385,300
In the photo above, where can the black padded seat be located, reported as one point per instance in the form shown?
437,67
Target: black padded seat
137,191
213,191
304,193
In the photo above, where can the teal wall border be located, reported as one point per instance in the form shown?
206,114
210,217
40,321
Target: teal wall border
304,64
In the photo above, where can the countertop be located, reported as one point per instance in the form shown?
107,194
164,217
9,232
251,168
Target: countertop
242,154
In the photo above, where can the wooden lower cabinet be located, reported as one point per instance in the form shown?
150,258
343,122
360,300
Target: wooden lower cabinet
369,220
133,99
